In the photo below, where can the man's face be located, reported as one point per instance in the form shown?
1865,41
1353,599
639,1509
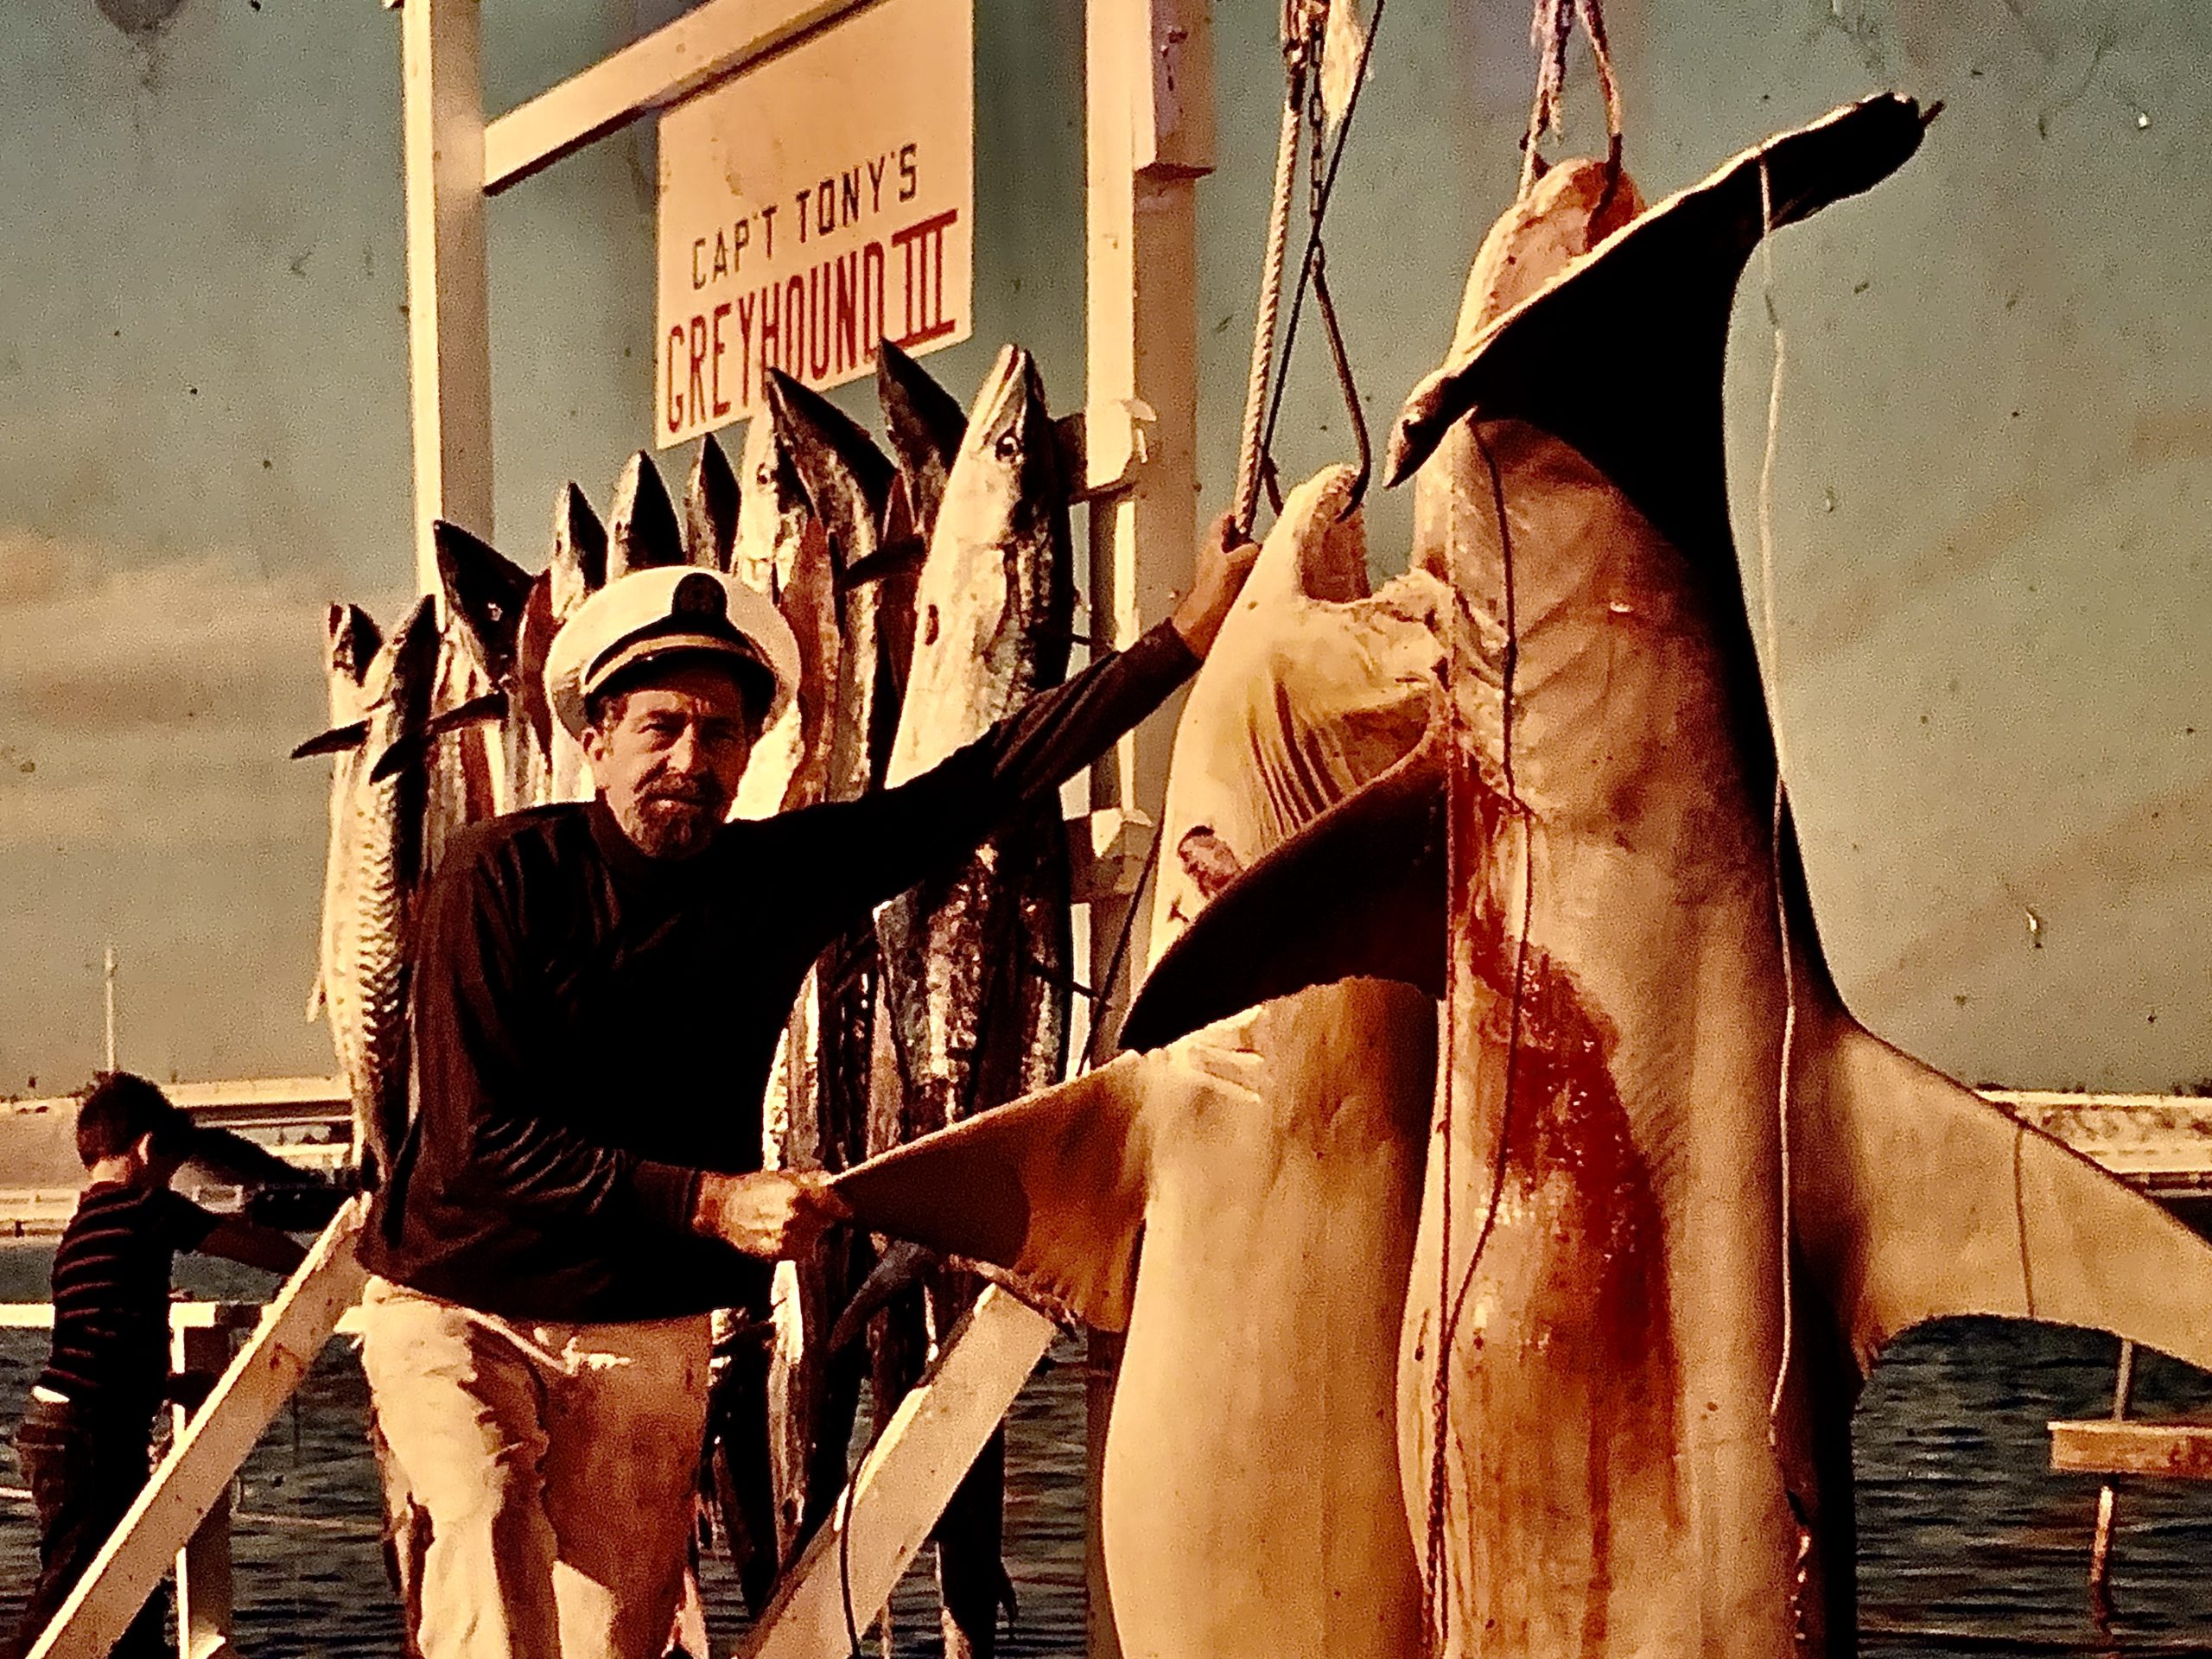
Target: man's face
669,761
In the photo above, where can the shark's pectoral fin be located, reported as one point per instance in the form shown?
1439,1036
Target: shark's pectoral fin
1051,1188
1358,893
1914,1199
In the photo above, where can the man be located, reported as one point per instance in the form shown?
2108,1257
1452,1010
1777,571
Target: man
598,993
83,1441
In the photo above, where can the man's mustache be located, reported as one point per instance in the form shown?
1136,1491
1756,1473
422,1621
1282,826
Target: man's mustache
681,791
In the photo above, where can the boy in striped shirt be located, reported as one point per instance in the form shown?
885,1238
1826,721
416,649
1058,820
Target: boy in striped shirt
85,1440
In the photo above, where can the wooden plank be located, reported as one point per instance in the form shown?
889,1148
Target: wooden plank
2098,1445
704,46
904,1484
203,1566
196,1474
448,291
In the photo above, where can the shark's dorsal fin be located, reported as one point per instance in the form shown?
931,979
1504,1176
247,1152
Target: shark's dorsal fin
1914,1199
1358,893
1050,1187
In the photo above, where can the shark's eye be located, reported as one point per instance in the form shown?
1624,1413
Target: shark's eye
1009,446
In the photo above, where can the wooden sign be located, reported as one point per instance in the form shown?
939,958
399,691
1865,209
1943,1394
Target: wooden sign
813,205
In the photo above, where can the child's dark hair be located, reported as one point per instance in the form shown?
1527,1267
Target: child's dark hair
120,1107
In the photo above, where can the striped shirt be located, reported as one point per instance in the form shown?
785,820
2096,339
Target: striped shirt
111,1298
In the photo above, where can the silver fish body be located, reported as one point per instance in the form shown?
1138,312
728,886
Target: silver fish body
576,569
352,640
487,605
979,961
381,852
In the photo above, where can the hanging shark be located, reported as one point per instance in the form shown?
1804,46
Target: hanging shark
1270,1165
1678,1199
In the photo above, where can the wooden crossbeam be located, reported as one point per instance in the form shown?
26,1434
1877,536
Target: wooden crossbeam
2098,1445
904,1484
196,1474
701,47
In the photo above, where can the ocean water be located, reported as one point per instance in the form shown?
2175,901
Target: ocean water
1967,1541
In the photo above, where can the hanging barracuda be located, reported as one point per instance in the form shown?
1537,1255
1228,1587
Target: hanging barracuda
813,1394
777,548
380,855
642,533
488,602
353,641
977,961
462,785
576,571
712,503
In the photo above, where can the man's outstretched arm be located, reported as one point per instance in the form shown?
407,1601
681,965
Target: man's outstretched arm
887,842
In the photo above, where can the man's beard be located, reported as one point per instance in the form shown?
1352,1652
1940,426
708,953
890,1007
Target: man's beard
674,821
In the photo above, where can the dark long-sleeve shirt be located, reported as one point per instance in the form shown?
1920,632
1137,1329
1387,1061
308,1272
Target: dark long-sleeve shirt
592,1026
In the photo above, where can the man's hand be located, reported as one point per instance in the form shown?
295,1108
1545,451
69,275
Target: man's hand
1218,576
775,1214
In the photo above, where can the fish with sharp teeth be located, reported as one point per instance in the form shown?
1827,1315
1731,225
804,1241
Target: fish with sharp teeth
978,961
780,550
353,641
847,485
711,506
487,605
642,531
1678,1199
576,569
379,849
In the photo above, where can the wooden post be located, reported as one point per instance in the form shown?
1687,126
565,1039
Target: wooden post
203,1566
449,293
1149,138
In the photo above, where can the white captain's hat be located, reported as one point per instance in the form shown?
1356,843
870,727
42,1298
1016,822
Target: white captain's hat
668,611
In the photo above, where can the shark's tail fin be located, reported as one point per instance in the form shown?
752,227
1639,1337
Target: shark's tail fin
1916,1198
1050,1187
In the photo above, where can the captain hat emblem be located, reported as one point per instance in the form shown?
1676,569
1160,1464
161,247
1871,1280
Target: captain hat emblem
664,611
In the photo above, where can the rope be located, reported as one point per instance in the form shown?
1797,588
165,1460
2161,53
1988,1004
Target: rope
1775,827
1263,329
1550,27
1309,261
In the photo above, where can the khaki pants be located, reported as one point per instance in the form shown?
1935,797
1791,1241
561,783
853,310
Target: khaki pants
556,1465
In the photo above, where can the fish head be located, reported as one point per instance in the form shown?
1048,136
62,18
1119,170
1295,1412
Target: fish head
642,532
353,640
578,563
846,480
925,424
1007,480
400,681
711,500
538,627
1314,687
484,595
773,514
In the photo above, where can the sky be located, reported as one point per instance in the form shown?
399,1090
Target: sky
1993,550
